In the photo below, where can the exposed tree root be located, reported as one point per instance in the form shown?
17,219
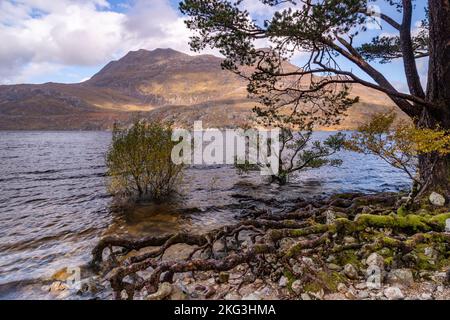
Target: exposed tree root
306,227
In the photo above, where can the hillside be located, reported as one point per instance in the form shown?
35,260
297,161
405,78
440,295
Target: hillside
163,84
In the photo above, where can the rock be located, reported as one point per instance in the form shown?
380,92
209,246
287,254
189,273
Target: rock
210,292
447,225
330,216
403,277
349,240
60,275
375,260
366,210
283,282
58,286
363,295
297,286
318,295
426,296
297,268
224,277
251,296
350,294
350,271
200,287
63,295
341,288
305,296
393,293
361,286
164,291
436,199
334,267
232,296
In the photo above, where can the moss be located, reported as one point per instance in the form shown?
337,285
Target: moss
388,261
348,256
291,278
440,219
326,281
410,222
402,211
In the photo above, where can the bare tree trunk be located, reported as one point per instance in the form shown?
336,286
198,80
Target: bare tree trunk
438,92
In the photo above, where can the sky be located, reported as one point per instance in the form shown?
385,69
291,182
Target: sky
68,41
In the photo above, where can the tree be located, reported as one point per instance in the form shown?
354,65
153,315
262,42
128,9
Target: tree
139,162
298,151
329,29
400,145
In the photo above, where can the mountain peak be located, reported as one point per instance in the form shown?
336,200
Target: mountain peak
159,53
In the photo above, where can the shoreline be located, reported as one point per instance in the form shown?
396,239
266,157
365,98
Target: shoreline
314,274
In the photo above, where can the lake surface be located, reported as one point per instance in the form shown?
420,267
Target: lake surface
54,205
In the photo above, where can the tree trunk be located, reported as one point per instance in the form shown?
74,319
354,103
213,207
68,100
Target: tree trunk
438,92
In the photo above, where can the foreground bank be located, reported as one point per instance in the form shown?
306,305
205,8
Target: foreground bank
349,246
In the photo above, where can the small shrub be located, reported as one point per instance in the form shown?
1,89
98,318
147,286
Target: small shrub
139,162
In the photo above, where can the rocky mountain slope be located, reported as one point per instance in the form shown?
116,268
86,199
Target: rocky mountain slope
162,84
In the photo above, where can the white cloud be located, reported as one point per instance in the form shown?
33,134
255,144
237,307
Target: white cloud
46,35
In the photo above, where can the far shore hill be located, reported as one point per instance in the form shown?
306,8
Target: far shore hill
162,84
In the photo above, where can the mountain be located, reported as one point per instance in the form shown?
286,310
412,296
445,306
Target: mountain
163,84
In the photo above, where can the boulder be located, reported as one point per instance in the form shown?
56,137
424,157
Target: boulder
393,293
447,225
375,260
402,277
436,199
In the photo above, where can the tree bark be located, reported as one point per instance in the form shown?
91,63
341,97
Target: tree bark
438,93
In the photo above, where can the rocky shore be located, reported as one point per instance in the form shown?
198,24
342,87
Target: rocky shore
350,247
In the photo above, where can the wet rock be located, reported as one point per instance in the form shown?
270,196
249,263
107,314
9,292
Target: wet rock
436,199
297,286
58,286
61,275
283,282
393,293
402,277
164,291
350,271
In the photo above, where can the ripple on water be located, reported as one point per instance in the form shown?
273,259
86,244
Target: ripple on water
54,205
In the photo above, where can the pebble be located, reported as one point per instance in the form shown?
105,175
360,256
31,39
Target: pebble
297,286
350,271
283,282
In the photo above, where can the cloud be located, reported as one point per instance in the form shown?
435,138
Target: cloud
46,35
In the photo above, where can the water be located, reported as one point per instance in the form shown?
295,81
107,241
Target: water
54,205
